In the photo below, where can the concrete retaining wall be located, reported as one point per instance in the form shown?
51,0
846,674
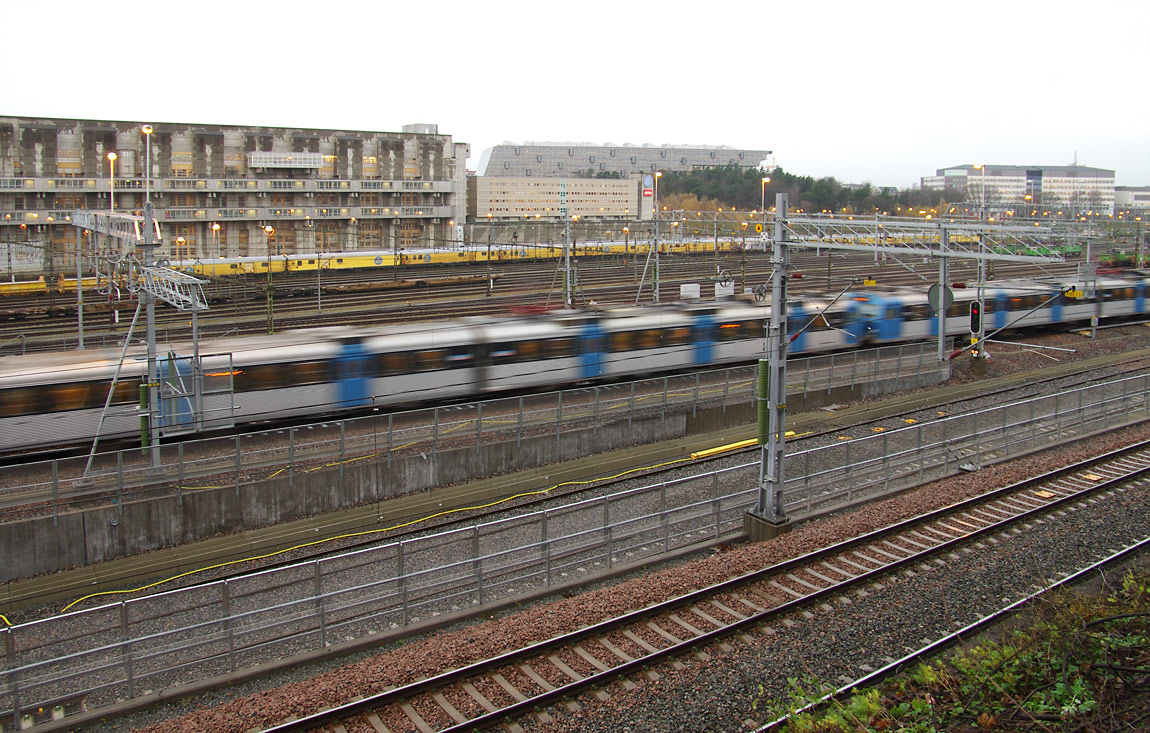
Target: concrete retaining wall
44,545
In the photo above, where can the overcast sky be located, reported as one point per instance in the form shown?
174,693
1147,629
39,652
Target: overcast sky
875,91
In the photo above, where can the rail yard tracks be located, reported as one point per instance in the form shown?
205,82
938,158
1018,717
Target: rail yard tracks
528,680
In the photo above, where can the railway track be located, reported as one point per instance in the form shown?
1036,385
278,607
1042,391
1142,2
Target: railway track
239,306
815,427
527,680
582,671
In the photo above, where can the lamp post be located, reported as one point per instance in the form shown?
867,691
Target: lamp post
981,189
489,232
658,175
112,183
147,130
763,197
179,247
270,231
216,238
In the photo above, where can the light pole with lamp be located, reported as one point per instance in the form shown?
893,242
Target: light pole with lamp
216,238
981,189
270,231
112,182
179,247
658,175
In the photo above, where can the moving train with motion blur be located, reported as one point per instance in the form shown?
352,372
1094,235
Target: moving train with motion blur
54,400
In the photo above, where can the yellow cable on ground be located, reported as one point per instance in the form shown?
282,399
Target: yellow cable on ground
357,534
6,621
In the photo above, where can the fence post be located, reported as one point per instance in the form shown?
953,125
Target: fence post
546,549
226,602
237,465
663,416
13,677
126,650
477,564
631,408
435,433
695,403
291,456
317,587
403,616
120,483
180,475
559,417
596,407
519,430
663,514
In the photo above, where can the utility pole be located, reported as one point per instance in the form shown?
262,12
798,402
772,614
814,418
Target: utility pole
769,519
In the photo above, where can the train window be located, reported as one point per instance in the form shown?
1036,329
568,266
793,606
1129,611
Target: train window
395,363
621,341
652,338
460,357
729,332
309,372
21,401
74,396
559,348
529,350
501,353
917,312
430,359
677,336
263,376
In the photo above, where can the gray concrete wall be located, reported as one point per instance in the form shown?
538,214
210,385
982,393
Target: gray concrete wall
49,544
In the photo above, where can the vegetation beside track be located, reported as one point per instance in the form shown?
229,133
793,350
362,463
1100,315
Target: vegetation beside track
1080,661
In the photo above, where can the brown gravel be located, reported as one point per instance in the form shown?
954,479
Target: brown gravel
456,648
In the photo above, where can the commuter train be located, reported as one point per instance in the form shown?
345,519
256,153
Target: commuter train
58,399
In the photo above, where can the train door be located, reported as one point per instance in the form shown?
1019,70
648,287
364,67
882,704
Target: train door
177,395
590,346
353,374
703,338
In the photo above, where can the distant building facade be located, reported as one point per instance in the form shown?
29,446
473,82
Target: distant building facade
214,188
1135,199
1074,188
569,160
504,199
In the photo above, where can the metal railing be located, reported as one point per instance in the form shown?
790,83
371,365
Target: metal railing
236,462
117,651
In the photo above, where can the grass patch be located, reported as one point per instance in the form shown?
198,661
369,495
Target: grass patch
1079,662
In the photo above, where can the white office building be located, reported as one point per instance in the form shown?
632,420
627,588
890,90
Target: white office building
570,160
1073,189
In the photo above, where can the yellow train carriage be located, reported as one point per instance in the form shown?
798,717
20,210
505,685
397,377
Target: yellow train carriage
27,287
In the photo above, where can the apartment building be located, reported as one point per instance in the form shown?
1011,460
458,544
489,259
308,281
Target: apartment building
215,189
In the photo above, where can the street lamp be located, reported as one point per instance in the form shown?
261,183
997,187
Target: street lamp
270,231
179,246
147,130
981,188
763,197
112,182
216,238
